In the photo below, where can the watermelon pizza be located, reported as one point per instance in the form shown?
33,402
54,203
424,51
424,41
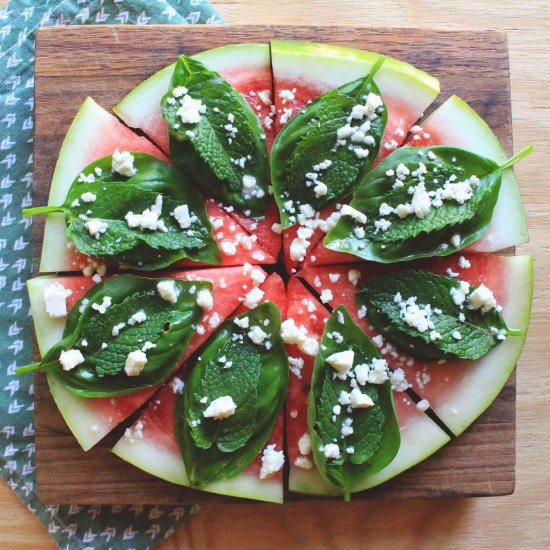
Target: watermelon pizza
271,261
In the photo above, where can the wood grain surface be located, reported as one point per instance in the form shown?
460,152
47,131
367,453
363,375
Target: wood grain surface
473,65
520,520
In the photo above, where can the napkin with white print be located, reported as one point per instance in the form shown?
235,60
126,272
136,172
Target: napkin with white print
90,527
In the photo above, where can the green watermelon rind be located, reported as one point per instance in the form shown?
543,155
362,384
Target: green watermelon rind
419,440
144,454
471,132
331,65
135,107
494,369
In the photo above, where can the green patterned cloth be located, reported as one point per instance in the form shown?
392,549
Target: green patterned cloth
90,527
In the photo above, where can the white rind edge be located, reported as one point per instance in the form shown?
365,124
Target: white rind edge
169,466
419,440
469,131
71,161
486,380
140,108
328,66
75,410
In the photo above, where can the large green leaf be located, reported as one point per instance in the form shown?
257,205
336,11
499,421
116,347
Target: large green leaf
375,439
115,195
257,381
449,224
168,326
385,299
307,150
223,146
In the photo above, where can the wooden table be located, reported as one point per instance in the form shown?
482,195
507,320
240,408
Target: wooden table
506,522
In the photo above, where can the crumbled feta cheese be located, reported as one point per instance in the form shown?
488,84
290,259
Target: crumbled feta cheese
249,182
69,359
257,276
418,317
55,299
459,293
265,97
190,110
123,163
205,300
455,240
456,335
272,462
463,263
253,298
292,334
229,248
330,450
310,347
334,277
304,444
148,219
88,197
105,303
341,362
147,346
222,407
353,276
135,362
482,298
348,210
257,335
181,215
214,320
303,462
242,323
285,117
378,373
398,381
96,227
177,385
137,318
326,295
167,291
421,202
117,328
360,400
277,228
423,405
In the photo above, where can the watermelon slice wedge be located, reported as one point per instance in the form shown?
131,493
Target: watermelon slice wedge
309,70
245,66
457,391
420,435
94,133
150,443
90,419
456,123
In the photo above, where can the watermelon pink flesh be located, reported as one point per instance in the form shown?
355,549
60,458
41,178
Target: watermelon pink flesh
244,66
458,391
101,415
268,238
94,133
248,246
306,310
156,428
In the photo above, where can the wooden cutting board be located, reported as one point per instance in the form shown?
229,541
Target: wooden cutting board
106,62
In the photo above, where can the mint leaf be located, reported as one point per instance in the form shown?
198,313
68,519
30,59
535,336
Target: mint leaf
107,198
421,202
216,137
431,316
166,326
350,442
325,151
254,375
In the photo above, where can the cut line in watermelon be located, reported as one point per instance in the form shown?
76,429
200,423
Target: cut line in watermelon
245,66
420,436
90,419
94,133
458,391
150,443
310,70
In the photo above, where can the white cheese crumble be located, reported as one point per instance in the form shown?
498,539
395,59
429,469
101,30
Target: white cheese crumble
253,298
303,462
341,362
137,318
272,462
482,298
135,362
330,450
277,228
257,335
229,248
423,405
304,444
242,323
463,263
326,295
222,407
455,240
55,299
70,359
88,197
123,163
105,303
205,299
167,291
182,216
348,210
360,400
96,227
117,328
190,110
353,276
149,218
